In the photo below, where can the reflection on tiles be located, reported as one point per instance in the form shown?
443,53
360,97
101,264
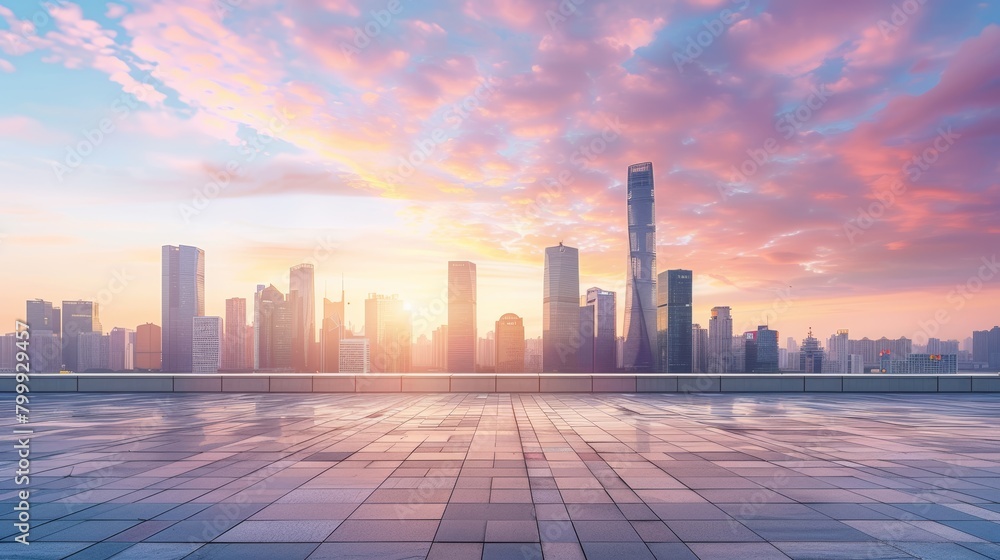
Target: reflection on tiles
522,476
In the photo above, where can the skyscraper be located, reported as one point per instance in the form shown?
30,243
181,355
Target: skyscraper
234,343
699,349
486,353
354,355
121,349
206,344
811,359
510,344
148,338
678,320
272,330
461,317
183,299
720,340
761,350
585,353
605,329
92,352
561,337
332,334
986,347
78,317
8,353
839,348
302,299
389,330
640,283
45,350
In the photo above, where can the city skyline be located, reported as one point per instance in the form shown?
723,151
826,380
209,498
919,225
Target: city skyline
784,174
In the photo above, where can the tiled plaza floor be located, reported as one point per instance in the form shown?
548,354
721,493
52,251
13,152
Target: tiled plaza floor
509,476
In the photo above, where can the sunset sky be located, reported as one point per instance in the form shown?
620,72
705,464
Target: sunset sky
380,139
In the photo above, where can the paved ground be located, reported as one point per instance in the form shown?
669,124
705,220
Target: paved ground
510,476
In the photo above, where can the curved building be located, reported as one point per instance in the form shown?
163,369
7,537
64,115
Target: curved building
639,352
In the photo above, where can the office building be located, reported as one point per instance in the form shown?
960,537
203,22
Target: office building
871,350
183,299
761,350
439,357
605,307
856,363
462,334
839,351
121,349
273,331
234,355
811,360
510,344
720,340
640,283
93,350
423,354
585,350
302,300
78,317
934,364
699,349
148,340
389,330
8,353
206,344
355,356
44,322
986,348
332,333
677,299
486,353
561,336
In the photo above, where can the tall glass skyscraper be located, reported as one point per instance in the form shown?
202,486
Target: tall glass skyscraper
44,321
561,336
720,340
183,299
235,340
302,299
462,339
605,329
78,317
640,283
679,319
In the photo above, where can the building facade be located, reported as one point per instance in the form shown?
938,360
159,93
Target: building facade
78,317
389,330
462,335
640,282
302,300
561,337
206,344
183,299
148,340
272,331
679,319
720,340
355,356
234,357
605,307
510,344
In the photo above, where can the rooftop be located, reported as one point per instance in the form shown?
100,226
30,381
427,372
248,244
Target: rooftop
508,475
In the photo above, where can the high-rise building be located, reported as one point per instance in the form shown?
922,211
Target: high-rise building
423,354
699,349
461,317
640,283
533,348
486,353
272,330
43,321
8,353
840,351
302,300
811,360
510,344
761,350
250,348
720,340
183,299
355,356
78,317
791,345
234,353
148,340
856,363
206,344
389,330
121,349
561,336
605,329
439,340
678,300
332,333
986,348
738,356
585,352
93,349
